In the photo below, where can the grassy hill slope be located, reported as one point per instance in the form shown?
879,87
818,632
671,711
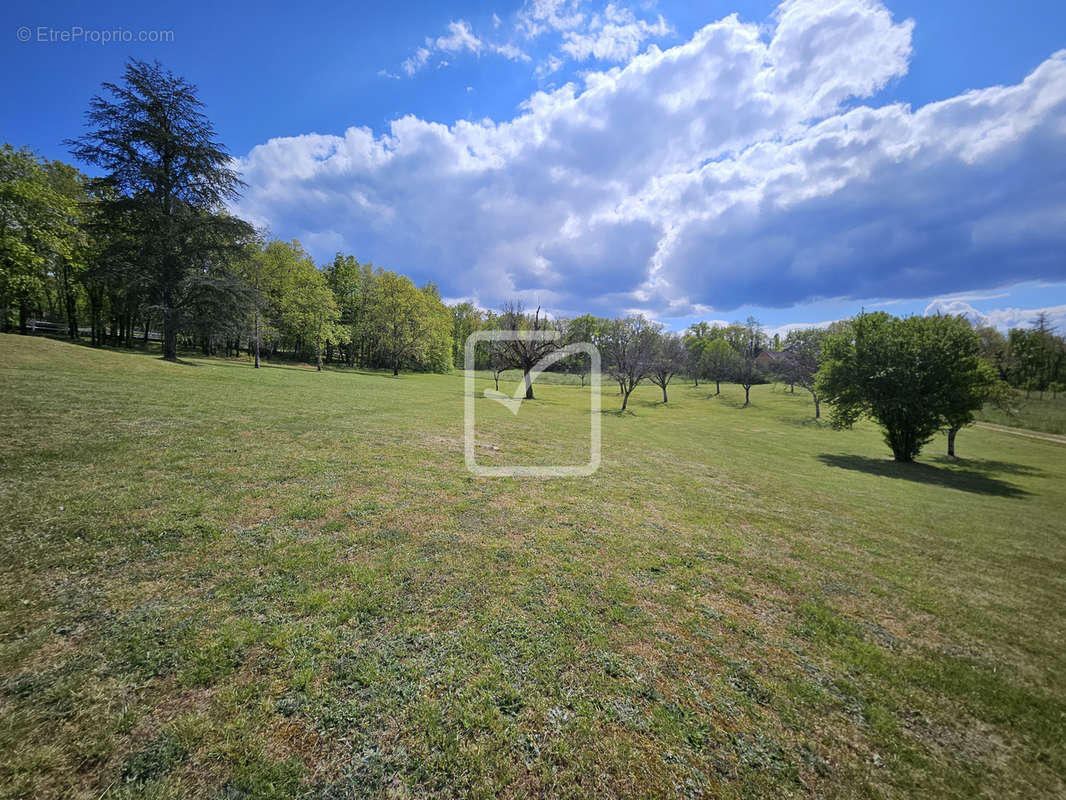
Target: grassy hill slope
216,581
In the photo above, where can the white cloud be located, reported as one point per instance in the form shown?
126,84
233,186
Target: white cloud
784,330
549,66
510,52
416,62
541,16
1002,319
459,38
732,169
616,36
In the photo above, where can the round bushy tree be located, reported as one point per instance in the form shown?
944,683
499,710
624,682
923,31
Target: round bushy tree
913,376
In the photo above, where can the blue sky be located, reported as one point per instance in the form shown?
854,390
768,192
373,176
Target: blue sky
795,162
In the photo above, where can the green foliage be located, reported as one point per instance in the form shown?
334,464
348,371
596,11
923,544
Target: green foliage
165,184
413,326
39,213
307,307
353,287
718,360
914,376
1031,358
579,330
466,318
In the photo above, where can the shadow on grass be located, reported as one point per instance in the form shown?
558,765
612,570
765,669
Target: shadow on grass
179,361
617,412
806,422
991,465
966,480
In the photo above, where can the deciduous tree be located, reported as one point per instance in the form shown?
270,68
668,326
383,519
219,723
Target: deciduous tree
628,348
804,346
913,376
669,359
719,362
532,340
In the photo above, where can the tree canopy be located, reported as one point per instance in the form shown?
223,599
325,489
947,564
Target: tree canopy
166,181
913,376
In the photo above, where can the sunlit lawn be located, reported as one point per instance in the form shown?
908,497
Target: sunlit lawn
216,581
1045,413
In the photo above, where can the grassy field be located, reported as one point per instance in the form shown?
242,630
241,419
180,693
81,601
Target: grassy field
1047,413
222,582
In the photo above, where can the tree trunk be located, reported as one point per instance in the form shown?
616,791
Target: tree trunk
170,336
951,440
625,400
257,339
902,446
71,303
22,316
696,379
664,392
747,395
496,378
94,318
817,407
717,387
529,385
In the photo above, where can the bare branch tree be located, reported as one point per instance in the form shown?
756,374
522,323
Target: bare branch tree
670,358
531,344
628,347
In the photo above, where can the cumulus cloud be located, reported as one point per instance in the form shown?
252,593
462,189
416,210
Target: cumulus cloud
1001,318
737,168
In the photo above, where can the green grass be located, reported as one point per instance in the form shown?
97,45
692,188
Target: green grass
222,582
1046,414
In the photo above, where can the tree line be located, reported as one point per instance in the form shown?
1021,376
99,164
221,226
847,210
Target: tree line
148,249
914,376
